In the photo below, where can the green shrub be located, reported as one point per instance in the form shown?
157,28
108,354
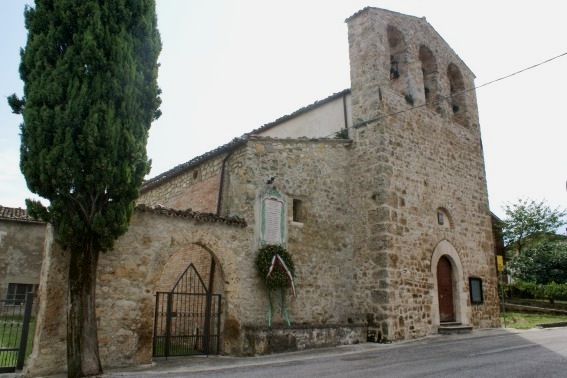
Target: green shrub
550,291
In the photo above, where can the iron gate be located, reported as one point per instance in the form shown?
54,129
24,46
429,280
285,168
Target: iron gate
15,316
187,319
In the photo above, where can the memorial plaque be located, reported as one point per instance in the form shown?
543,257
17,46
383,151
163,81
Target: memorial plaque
273,218
272,212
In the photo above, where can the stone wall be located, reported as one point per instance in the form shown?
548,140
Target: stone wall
127,280
196,188
21,246
315,172
263,340
49,349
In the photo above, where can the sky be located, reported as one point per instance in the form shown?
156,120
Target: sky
228,67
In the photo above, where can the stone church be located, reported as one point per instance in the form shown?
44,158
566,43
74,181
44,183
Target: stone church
378,193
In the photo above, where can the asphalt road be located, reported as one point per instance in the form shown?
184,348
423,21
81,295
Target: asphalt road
484,353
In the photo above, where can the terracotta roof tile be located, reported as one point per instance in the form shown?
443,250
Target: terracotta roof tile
16,214
189,213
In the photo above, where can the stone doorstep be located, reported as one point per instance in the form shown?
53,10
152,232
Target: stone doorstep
450,328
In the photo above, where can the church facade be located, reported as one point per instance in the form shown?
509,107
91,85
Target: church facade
377,192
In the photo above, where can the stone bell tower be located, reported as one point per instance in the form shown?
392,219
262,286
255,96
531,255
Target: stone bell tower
418,183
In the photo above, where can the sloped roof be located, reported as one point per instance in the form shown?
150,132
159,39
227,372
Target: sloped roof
235,143
16,214
366,9
179,169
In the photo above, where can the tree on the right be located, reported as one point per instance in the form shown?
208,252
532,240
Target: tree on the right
528,223
543,263
537,253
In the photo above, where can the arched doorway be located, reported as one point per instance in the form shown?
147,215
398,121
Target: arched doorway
187,316
445,290
444,250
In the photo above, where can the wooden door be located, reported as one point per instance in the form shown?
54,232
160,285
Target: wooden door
445,290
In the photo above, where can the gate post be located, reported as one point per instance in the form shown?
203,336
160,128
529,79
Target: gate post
209,298
168,323
218,312
25,331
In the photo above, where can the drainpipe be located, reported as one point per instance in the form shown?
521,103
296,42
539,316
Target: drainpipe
221,184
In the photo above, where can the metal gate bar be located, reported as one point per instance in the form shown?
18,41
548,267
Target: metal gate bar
180,327
14,329
187,318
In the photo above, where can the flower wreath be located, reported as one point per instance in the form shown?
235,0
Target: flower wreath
276,268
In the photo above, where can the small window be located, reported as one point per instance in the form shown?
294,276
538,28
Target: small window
475,285
297,210
443,218
17,293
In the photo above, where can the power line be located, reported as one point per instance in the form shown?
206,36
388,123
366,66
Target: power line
453,95
520,71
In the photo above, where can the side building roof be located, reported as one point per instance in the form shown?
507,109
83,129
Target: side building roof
16,214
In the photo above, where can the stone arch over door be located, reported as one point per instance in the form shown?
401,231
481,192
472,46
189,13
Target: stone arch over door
201,258
445,249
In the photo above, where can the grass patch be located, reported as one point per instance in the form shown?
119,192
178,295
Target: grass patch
522,320
558,305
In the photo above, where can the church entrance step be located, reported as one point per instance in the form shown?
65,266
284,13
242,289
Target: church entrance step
449,328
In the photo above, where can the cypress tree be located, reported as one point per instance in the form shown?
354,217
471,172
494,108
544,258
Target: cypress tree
89,69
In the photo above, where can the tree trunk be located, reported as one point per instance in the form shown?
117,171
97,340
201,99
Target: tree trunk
82,341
